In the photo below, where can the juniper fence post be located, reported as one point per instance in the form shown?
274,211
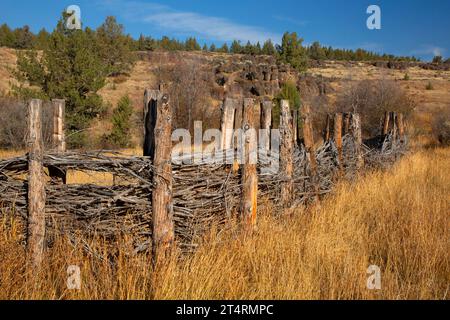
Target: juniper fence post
394,125
401,127
338,118
308,137
294,124
286,154
249,201
357,136
57,175
347,117
227,122
266,122
158,146
36,184
327,131
385,128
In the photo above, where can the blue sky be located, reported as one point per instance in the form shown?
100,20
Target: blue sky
409,27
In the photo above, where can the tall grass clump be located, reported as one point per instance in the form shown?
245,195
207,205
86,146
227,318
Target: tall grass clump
397,220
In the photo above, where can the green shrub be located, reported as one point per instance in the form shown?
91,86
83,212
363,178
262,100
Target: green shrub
288,92
121,120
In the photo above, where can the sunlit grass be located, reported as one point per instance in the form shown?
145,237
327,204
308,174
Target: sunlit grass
397,220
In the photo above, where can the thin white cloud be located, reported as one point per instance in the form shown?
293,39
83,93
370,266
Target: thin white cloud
186,23
430,50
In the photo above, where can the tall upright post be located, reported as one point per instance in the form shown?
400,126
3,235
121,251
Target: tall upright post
327,130
401,127
58,175
294,125
347,118
357,136
158,119
36,184
249,201
385,128
227,122
286,154
266,122
338,118
308,137
59,140
394,125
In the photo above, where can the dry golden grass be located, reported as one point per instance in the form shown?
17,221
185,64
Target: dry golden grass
397,220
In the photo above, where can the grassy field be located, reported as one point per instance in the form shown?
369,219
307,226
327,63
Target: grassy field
397,220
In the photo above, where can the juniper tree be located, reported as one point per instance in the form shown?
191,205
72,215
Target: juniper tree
70,68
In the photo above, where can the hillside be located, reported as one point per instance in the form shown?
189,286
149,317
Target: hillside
258,76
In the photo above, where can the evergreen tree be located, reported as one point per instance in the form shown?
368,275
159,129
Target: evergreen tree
70,67
292,51
224,48
236,47
191,44
316,52
288,92
268,48
248,49
23,38
212,47
7,38
114,47
121,121
42,39
257,49
205,48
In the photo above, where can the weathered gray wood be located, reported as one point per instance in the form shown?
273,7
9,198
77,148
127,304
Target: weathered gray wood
266,123
249,201
347,120
59,141
338,118
160,140
401,127
294,125
286,154
308,137
227,122
385,128
357,136
394,125
327,130
36,184
150,115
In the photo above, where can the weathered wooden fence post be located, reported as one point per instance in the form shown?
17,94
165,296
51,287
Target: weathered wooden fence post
394,126
347,117
294,125
59,141
286,154
158,146
227,122
249,176
266,122
36,184
327,130
338,118
308,137
357,136
401,127
385,128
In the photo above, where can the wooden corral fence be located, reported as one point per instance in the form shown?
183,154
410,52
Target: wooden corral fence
161,202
